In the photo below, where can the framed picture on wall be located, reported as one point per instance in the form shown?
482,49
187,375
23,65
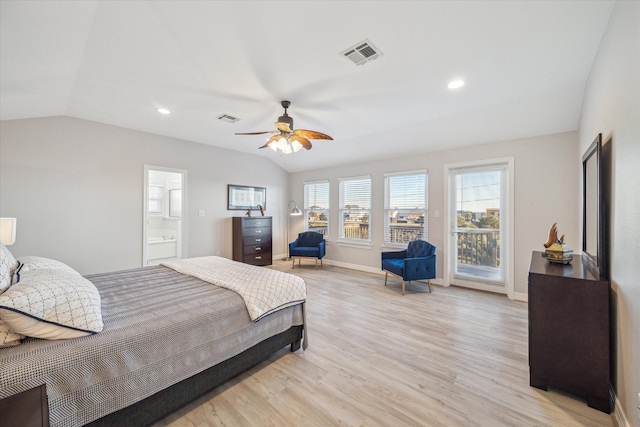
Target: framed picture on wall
243,198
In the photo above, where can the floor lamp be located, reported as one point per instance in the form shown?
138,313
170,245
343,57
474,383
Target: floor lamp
294,212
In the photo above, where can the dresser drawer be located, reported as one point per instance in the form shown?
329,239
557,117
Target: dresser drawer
263,258
257,240
258,222
256,231
256,249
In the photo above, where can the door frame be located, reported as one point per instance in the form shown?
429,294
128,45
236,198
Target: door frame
508,226
145,209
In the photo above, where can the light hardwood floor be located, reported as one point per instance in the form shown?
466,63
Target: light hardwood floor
456,357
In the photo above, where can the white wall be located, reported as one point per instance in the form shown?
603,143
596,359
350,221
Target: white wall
76,188
546,176
611,106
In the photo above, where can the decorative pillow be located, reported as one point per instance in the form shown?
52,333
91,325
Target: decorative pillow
8,265
52,304
8,338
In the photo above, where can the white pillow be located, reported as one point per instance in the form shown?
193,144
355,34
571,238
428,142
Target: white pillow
52,304
8,338
8,265
38,263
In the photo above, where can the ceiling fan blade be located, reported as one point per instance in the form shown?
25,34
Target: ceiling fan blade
255,133
283,127
311,134
303,141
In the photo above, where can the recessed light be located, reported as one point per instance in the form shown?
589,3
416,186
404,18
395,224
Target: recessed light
163,111
455,84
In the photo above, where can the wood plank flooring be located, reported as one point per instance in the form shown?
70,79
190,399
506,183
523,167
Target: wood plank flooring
456,357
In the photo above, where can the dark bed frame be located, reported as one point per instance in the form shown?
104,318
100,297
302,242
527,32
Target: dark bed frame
30,408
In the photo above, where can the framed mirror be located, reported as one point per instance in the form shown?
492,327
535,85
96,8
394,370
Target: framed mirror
593,209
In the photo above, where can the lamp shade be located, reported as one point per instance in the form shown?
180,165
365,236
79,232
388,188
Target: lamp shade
8,231
295,211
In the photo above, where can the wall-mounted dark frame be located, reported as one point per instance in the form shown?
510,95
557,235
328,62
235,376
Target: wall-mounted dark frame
240,197
595,222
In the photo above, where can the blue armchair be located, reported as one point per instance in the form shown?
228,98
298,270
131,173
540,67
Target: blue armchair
309,244
417,262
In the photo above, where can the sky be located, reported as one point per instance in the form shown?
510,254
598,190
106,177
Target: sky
478,191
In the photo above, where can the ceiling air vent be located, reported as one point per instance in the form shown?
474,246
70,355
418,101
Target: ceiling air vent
362,53
227,118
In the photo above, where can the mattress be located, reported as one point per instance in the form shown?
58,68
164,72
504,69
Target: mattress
160,327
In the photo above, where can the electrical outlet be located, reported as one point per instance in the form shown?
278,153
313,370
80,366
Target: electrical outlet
436,214
200,213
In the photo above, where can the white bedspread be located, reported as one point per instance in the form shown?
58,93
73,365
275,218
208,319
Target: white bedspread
263,290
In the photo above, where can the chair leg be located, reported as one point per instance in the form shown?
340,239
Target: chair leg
294,263
386,274
403,287
429,283
316,263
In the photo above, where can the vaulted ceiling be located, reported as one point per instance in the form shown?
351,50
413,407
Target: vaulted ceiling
525,65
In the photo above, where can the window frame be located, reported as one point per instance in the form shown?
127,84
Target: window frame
387,208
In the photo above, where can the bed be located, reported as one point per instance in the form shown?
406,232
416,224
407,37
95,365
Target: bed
167,338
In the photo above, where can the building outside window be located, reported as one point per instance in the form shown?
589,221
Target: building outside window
406,207
316,207
355,209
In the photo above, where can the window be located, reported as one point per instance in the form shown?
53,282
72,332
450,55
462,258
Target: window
355,208
405,205
155,198
316,207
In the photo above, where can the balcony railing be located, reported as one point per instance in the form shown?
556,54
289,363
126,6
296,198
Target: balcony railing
359,231
404,233
476,246
479,246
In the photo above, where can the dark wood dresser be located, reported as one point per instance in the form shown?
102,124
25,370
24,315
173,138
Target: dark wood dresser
27,409
252,240
569,330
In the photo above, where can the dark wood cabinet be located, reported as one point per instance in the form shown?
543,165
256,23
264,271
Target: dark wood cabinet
569,330
27,409
252,240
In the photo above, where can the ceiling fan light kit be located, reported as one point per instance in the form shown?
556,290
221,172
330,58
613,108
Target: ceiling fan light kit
287,139
284,145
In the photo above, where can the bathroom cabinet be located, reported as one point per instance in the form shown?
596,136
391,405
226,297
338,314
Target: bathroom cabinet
252,240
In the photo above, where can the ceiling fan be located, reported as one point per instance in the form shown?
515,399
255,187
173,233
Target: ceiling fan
287,139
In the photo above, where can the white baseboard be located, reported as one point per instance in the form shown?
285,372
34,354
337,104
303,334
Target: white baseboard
619,418
366,269
353,266
520,296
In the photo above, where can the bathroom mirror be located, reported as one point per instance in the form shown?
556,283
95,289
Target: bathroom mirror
593,208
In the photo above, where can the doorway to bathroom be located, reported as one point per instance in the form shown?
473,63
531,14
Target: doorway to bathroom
164,231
